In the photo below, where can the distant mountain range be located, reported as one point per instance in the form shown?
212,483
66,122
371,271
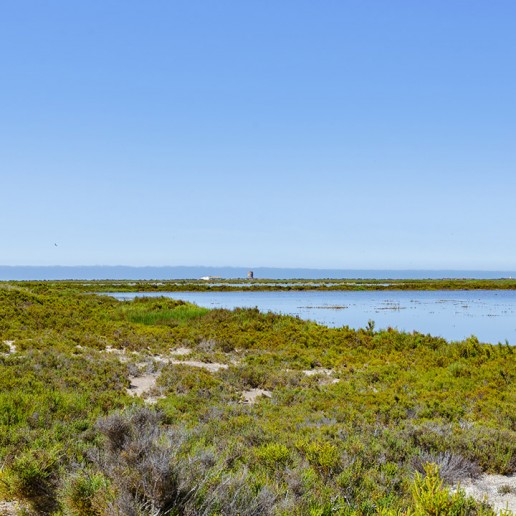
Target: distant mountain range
189,272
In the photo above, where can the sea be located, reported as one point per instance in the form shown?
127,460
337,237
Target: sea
121,272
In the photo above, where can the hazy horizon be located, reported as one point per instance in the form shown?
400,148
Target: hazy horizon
120,272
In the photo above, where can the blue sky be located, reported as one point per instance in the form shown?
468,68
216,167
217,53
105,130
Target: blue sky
292,133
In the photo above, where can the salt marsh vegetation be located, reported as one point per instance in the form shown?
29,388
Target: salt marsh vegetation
287,417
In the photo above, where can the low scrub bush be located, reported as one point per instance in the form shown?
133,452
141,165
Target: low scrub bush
273,455
137,458
452,467
33,476
87,494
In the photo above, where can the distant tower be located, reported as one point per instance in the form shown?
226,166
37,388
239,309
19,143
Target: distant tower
250,275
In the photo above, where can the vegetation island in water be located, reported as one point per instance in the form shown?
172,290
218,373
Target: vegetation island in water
159,407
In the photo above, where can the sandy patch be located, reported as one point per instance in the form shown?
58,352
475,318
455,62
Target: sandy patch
180,351
152,400
497,490
141,385
321,371
10,508
251,395
10,344
120,353
212,367
209,366
318,370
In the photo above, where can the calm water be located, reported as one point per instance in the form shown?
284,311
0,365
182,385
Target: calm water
488,314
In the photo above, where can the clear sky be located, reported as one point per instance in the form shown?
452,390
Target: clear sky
290,133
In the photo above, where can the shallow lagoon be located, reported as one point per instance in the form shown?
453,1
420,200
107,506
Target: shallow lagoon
454,315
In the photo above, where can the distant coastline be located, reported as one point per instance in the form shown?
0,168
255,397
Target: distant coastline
98,272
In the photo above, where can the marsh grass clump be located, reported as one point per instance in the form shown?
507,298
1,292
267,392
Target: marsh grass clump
151,311
505,489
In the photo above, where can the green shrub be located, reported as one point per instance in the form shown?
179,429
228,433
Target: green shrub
323,455
33,477
87,494
432,499
273,454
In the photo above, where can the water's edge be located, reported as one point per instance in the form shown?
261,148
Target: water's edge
490,315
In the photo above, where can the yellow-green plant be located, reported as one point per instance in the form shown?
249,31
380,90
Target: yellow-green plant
432,498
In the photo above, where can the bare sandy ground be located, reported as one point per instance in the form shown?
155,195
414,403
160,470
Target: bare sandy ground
251,395
180,351
12,347
141,384
10,508
213,367
497,490
318,370
325,374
